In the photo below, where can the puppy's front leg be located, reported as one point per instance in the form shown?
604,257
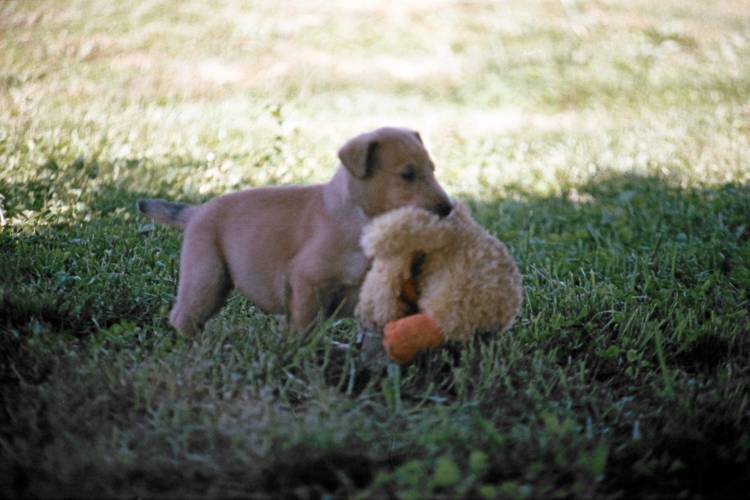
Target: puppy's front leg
302,304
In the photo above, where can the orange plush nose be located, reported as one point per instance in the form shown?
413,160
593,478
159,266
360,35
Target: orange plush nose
405,337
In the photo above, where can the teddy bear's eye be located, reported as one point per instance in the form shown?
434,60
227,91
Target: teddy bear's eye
409,174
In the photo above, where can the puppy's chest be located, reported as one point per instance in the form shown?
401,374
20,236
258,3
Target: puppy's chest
353,267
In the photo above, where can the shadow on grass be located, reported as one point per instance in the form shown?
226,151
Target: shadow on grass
634,328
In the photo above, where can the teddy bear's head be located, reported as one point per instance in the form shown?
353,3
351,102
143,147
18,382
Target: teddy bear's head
410,230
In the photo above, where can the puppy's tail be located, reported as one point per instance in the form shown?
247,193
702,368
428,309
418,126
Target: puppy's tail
166,212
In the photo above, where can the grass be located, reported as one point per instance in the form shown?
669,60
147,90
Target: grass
605,142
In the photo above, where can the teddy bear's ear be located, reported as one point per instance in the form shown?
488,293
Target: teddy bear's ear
460,211
406,230
359,155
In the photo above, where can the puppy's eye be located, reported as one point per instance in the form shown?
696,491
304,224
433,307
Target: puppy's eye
409,174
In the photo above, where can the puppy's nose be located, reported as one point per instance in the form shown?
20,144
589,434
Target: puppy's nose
443,209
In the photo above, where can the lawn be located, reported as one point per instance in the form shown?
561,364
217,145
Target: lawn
606,142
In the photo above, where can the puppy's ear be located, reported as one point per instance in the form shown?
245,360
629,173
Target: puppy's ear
359,155
419,137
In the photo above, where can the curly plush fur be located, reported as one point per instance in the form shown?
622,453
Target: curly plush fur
467,281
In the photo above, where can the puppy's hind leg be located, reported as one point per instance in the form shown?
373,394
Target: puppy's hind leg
203,285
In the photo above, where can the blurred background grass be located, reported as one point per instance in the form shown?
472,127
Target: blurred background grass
532,93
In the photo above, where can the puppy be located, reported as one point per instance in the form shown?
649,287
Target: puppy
295,250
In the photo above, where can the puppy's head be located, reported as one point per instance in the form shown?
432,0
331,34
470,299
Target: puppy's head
390,168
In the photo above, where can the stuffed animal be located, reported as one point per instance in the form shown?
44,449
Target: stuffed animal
434,280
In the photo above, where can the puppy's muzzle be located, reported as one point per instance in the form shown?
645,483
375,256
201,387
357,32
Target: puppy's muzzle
443,209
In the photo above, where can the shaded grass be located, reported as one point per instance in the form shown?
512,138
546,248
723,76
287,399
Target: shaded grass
604,142
577,400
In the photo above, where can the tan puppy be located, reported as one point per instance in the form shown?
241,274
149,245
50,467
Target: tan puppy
295,250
